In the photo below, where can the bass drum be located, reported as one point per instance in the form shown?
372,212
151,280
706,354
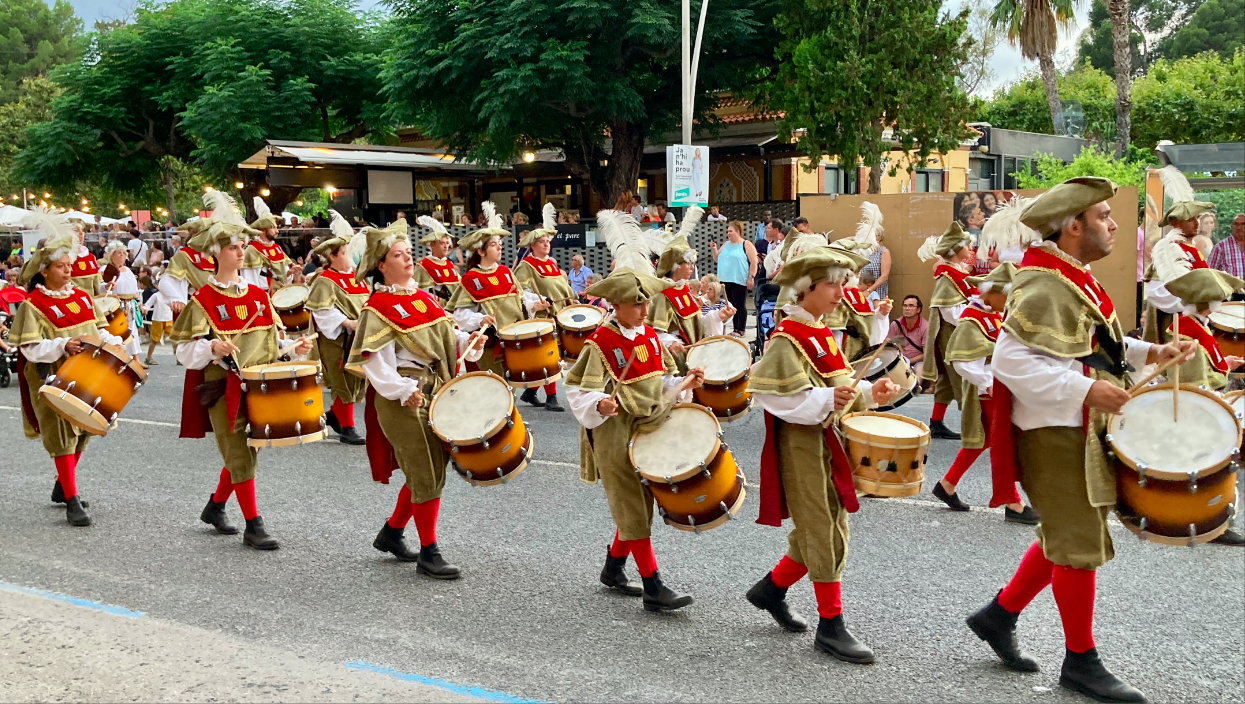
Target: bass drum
284,404
93,386
474,415
890,363
727,363
529,349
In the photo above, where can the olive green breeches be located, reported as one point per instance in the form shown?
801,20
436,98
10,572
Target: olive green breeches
421,455
820,537
58,435
1052,471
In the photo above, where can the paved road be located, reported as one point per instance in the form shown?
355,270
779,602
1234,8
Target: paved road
528,620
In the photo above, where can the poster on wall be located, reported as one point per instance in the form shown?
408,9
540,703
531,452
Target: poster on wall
972,210
687,175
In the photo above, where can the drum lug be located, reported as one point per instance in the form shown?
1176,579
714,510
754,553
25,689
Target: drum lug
1192,535
112,418
96,403
1192,483
263,387
518,344
643,481
248,429
267,431
674,488
470,477
725,511
1141,474
294,384
1141,528
705,471
51,379
322,422
298,427
691,521
522,376
94,353
71,385
509,423
484,441
453,448
319,379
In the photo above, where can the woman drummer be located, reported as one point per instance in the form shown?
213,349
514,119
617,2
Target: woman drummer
676,314
119,281
335,300
406,347
800,381
435,273
538,274
228,325
49,327
489,295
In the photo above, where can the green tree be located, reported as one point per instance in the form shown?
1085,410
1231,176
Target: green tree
1194,100
1218,25
1095,45
33,39
1127,171
493,80
850,71
1033,25
32,105
979,71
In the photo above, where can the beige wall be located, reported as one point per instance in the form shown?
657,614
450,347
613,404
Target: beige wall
953,165
911,217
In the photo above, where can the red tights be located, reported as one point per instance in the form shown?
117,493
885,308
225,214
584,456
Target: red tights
551,390
940,412
425,516
66,475
641,550
245,491
829,597
1074,591
344,412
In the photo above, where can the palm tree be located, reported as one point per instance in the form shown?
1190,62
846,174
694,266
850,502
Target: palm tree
1033,25
1121,27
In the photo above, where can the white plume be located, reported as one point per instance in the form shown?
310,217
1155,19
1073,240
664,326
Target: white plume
432,224
549,214
224,208
1004,231
690,220
356,247
804,244
1176,187
1169,260
928,250
48,222
261,208
493,220
338,226
869,227
626,241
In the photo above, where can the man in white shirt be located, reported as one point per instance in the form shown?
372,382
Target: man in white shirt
715,215
137,248
1059,369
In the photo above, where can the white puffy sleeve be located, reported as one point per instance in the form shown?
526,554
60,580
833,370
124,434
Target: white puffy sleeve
381,368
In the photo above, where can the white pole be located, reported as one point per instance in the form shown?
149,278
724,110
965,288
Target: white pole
700,34
687,71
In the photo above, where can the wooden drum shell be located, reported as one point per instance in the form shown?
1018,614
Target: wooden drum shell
281,410
93,386
573,341
498,459
696,503
297,319
728,402
1161,510
885,466
1231,340
532,362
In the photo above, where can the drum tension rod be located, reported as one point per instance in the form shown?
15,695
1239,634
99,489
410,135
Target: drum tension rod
1141,528
1192,484
484,441
674,488
1141,475
1192,535
725,511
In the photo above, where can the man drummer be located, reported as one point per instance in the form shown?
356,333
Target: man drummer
949,299
435,273
47,329
334,301
538,273
266,262
228,325
624,382
676,314
968,359
1058,367
1160,303
407,348
86,274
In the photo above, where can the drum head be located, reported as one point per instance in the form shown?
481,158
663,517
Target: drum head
471,407
883,426
687,438
290,296
525,329
1230,316
74,410
580,317
281,370
883,363
723,359
106,305
1201,440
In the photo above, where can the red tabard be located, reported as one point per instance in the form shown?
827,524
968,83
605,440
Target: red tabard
1195,255
201,261
817,345
443,273
228,314
856,299
682,300
272,252
1192,328
345,281
546,267
959,278
406,311
64,313
617,350
1080,279
987,320
85,266
487,285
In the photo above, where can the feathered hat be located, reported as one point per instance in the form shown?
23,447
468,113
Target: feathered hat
868,229
999,278
1070,198
801,272
224,208
436,229
1005,234
375,243
946,245
476,239
220,235
264,218
342,234
677,249
1196,287
1186,210
548,226
194,227
632,280
59,241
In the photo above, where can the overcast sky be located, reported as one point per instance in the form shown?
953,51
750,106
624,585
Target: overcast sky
1007,61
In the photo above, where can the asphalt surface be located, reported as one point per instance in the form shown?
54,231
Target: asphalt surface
529,618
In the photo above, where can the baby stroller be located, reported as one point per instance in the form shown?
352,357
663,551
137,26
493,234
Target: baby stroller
10,298
768,302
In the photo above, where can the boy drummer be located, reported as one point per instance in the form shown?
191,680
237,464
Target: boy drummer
951,293
538,274
266,263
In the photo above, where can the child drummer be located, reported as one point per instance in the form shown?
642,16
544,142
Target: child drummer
228,325
950,297
538,274
435,273
623,382
801,380
335,300
48,328
407,348
676,314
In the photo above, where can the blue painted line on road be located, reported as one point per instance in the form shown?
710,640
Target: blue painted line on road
467,690
84,603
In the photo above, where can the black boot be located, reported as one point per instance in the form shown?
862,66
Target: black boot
58,496
659,597
390,539
214,515
767,596
938,429
529,396
613,576
834,638
74,513
330,418
255,536
1085,673
432,564
1229,537
551,404
1026,517
997,627
348,436
951,500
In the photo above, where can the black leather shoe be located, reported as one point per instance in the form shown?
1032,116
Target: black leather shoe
937,429
256,537
330,419
1027,517
1229,537
348,436
659,597
834,638
529,396
997,627
58,495
767,596
613,576
74,513
432,564
551,404
391,540
951,500
214,515
1085,673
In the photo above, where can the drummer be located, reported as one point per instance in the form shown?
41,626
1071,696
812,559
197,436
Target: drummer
489,295
435,273
624,382
86,275
188,269
335,300
538,274
228,325
1160,303
48,328
676,314
266,262
950,298
856,324
800,380
968,355
1058,370
120,282
407,348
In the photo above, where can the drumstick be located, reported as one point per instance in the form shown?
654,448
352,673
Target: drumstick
286,350
1176,373
240,331
464,353
618,386
860,374
1136,388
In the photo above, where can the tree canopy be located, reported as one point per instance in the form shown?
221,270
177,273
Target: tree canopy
34,38
1218,25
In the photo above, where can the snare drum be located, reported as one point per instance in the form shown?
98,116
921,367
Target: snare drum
888,452
891,364
689,470
110,308
93,386
530,351
575,324
284,404
290,303
475,416
1228,326
1175,480
727,362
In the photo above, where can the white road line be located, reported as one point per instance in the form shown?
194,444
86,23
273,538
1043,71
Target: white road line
120,420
